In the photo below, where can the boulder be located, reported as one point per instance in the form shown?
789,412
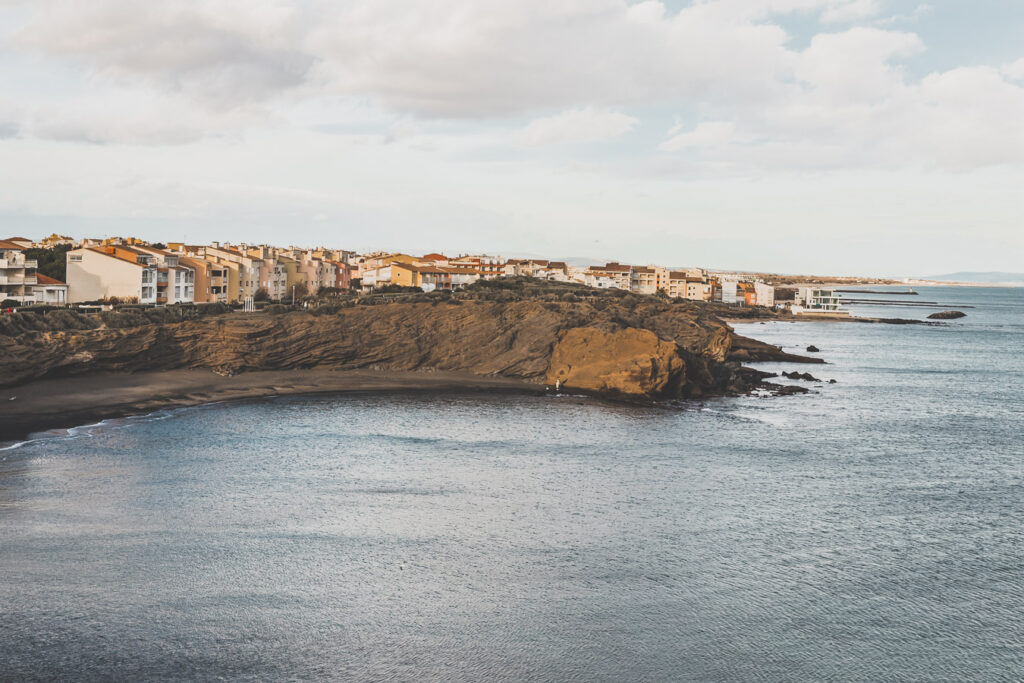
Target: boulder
947,315
813,349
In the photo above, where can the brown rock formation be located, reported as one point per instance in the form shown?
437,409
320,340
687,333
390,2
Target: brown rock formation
628,361
649,348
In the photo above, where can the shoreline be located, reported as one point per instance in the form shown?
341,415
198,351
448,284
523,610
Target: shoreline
67,402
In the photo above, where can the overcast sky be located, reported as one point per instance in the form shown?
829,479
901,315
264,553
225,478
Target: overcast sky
876,137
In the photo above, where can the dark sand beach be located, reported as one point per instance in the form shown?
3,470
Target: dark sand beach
85,399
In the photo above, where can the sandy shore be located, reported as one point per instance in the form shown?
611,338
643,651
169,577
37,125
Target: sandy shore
86,399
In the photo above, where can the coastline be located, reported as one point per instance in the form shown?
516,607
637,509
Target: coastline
67,402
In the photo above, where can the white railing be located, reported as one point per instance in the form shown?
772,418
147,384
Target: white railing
31,263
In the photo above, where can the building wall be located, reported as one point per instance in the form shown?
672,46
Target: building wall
96,276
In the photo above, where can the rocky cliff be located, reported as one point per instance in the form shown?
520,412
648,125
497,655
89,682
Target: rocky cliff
640,348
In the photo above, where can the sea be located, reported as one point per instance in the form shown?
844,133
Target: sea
869,530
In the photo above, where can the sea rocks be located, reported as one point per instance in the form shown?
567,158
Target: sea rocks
806,376
813,349
947,315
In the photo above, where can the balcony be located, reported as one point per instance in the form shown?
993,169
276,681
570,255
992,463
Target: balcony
31,263
12,280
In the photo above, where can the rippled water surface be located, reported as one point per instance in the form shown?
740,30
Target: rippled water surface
870,530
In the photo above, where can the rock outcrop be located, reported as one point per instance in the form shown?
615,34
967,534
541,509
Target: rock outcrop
947,315
627,362
651,348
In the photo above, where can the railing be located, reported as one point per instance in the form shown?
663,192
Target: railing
31,280
16,263
31,263
6,280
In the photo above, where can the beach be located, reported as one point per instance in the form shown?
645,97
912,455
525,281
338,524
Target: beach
84,399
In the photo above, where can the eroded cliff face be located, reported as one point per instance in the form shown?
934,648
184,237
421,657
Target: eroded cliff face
655,349
628,361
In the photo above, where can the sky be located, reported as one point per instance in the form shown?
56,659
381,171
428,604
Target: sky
860,137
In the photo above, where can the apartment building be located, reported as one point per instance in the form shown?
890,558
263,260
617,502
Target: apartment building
210,285
648,279
17,273
175,281
613,274
243,269
95,273
489,267
429,277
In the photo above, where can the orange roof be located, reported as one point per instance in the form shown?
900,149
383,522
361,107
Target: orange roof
47,280
6,244
435,257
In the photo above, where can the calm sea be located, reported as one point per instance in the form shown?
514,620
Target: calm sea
868,531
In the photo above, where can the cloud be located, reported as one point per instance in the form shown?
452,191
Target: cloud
577,125
853,10
1014,70
707,133
183,70
206,50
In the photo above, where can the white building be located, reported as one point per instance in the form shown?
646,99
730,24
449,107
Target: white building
817,301
17,274
97,273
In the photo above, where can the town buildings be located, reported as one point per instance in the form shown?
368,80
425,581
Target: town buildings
232,273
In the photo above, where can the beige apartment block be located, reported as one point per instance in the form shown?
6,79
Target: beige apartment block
103,272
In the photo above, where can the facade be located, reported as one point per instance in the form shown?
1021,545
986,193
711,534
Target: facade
648,279
48,290
97,273
616,274
685,284
430,278
175,281
17,274
728,291
210,284
765,294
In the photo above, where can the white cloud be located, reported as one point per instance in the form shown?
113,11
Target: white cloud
852,10
577,125
1014,70
183,70
706,134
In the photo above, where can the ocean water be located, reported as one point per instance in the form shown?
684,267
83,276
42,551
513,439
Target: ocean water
868,531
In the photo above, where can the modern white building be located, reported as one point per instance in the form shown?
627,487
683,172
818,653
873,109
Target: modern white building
817,301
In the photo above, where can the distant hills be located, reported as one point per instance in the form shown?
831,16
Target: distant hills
985,278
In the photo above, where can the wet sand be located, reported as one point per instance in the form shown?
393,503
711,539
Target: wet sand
86,399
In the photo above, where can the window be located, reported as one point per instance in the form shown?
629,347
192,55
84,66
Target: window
76,258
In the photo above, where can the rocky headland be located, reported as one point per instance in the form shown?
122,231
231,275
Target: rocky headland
616,345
